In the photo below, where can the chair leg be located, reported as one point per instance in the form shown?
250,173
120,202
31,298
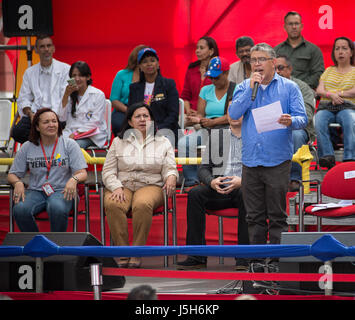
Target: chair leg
220,237
319,224
102,214
87,208
313,148
166,228
301,209
182,186
95,171
11,211
75,218
174,225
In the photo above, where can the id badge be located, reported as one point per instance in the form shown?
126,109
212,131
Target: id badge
47,189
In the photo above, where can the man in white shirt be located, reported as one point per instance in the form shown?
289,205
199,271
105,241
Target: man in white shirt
43,85
240,70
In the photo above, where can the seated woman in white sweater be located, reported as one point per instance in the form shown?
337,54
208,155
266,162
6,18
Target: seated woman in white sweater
138,167
83,108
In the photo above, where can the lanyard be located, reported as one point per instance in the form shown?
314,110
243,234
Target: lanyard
49,163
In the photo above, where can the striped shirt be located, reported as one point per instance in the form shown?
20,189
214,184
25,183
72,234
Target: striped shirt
335,81
234,163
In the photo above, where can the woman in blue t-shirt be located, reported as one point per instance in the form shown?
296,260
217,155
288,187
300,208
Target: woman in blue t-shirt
210,114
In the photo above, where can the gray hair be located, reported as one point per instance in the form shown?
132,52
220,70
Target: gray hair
265,48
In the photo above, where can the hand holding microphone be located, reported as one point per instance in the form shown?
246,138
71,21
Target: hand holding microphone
255,80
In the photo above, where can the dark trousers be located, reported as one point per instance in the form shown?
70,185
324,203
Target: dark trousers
264,193
21,130
202,197
117,119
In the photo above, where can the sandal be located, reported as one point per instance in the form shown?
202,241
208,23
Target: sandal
135,263
122,262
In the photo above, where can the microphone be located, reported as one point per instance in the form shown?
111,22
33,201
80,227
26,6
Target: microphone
255,90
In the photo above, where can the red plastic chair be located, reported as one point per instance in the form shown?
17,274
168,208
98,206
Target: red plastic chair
83,194
338,183
222,213
168,207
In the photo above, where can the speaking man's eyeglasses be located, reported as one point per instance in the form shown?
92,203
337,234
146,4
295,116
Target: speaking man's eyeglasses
259,60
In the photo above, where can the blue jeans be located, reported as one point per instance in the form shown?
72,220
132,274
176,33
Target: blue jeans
186,144
35,202
299,137
346,118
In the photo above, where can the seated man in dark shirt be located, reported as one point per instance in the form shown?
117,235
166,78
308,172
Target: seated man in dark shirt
221,189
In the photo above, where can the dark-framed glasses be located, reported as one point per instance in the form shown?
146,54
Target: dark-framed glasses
259,60
280,67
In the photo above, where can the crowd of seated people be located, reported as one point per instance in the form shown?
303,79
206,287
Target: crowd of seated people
210,114
145,118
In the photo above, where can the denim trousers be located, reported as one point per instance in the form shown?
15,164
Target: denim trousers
35,202
187,146
346,118
299,137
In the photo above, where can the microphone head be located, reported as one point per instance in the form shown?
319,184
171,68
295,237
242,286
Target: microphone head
255,90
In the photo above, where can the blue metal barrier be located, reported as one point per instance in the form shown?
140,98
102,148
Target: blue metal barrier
325,248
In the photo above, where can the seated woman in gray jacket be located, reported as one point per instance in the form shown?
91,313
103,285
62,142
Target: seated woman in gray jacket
138,167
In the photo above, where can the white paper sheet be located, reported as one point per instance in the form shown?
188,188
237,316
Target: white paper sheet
349,174
266,117
332,205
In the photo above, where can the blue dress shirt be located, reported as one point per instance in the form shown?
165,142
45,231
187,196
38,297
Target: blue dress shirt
274,147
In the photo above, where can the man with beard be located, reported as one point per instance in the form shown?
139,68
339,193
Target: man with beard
306,57
241,69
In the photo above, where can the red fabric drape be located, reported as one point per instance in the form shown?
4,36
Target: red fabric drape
104,33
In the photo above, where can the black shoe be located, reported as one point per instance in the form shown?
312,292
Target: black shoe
327,162
273,265
241,264
191,263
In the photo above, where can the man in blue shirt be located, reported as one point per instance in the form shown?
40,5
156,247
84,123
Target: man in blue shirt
267,150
